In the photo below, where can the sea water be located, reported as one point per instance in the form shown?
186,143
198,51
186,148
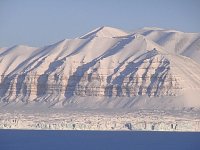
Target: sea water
97,140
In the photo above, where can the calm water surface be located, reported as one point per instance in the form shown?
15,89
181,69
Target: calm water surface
97,140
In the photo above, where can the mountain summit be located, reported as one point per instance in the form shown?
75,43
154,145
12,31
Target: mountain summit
104,31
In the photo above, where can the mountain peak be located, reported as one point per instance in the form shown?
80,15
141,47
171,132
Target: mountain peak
156,29
105,31
152,28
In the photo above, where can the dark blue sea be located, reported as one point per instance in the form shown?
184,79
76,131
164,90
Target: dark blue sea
97,140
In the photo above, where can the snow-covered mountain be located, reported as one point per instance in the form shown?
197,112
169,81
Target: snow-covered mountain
186,44
106,68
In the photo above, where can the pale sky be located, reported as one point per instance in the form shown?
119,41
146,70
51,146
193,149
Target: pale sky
42,22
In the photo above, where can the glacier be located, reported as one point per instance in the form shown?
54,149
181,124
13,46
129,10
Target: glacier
138,120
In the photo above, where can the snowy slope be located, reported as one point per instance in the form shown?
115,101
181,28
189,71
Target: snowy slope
105,68
12,57
186,44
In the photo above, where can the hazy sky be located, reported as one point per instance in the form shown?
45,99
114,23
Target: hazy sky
42,22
